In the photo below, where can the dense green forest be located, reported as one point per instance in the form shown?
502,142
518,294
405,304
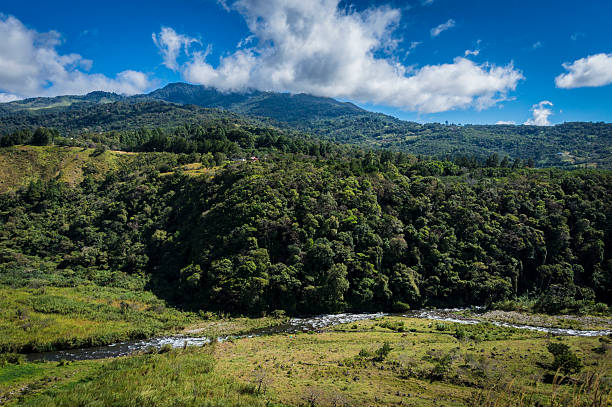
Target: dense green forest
566,145
216,210
338,230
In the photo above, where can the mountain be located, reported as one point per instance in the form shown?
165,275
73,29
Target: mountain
567,144
284,107
44,104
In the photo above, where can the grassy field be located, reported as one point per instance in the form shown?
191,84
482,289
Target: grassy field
423,363
427,364
51,318
21,164
178,378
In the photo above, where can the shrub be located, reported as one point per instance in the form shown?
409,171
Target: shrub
383,352
279,313
440,326
399,306
165,348
564,359
11,359
441,368
460,333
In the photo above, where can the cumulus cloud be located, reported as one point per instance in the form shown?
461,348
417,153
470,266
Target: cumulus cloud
318,48
469,52
592,71
170,45
442,27
505,122
31,66
540,114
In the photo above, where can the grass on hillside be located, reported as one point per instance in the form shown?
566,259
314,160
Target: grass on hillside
20,165
178,378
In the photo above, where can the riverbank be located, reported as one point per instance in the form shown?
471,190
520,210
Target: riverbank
425,363
55,318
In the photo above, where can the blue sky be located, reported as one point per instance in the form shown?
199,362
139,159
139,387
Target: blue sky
441,60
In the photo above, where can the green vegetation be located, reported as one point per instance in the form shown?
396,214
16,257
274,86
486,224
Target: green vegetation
21,165
565,360
185,377
51,318
125,218
367,366
420,367
567,145
310,234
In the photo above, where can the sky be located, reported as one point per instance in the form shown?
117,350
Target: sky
469,61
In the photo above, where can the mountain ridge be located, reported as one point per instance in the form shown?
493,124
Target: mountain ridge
176,104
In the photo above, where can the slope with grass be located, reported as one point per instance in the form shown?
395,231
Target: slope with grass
53,318
384,362
20,165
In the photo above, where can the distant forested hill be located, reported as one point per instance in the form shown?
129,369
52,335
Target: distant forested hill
566,145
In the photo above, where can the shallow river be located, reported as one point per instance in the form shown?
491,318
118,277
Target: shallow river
294,325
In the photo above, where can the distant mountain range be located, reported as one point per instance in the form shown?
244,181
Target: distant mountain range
283,107
568,144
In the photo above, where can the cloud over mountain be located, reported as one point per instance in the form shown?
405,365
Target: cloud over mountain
540,114
318,48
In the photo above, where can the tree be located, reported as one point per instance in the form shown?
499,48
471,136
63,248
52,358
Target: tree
565,360
42,136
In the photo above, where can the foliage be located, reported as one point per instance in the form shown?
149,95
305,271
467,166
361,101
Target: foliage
564,359
382,352
310,234
87,119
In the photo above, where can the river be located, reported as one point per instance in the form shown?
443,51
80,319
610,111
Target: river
294,325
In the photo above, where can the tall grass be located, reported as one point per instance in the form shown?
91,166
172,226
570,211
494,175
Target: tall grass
177,378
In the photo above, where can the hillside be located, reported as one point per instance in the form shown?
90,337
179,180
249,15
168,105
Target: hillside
42,104
567,145
21,165
283,107
305,233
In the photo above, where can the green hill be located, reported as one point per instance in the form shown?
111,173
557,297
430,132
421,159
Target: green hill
567,145
20,165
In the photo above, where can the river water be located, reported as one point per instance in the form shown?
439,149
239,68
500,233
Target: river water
294,325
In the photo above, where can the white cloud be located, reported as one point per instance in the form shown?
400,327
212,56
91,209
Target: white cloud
170,45
8,97
505,122
470,52
592,71
540,114
536,45
314,47
412,46
442,27
31,66
427,2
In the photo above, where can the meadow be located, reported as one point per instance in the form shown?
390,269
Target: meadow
393,361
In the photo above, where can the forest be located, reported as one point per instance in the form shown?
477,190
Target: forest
137,221
311,227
